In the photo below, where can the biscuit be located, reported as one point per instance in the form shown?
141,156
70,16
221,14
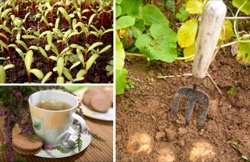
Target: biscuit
100,102
25,145
89,94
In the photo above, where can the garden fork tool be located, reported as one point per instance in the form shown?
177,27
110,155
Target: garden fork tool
209,31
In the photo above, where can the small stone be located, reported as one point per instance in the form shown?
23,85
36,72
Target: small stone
170,134
181,143
182,131
118,138
159,136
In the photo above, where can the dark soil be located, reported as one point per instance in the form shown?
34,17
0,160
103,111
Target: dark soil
96,74
146,108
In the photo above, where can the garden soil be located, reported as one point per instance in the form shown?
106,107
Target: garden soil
146,108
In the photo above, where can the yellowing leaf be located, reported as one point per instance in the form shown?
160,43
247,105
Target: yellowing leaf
189,52
245,8
187,32
194,7
244,52
227,31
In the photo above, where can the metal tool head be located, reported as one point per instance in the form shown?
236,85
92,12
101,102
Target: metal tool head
193,95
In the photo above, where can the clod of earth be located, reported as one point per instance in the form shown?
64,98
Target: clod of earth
202,151
140,143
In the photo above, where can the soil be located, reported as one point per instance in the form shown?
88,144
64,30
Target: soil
146,108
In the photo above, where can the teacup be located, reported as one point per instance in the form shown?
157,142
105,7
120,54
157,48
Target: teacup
54,125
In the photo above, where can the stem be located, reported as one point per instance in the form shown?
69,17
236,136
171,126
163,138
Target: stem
237,18
235,22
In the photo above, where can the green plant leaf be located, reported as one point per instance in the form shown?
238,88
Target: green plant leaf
160,45
91,18
29,37
28,60
182,15
59,80
81,73
9,66
46,77
4,14
139,25
60,65
3,148
131,7
245,8
194,6
187,32
124,22
170,4
2,74
104,49
75,65
227,31
120,80
77,47
118,10
67,74
120,54
91,61
80,55
5,28
244,51
2,44
118,1
22,44
232,91
94,45
38,73
153,15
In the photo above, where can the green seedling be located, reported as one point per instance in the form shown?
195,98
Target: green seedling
110,68
232,91
3,73
129,85
65,14
235,145
28,61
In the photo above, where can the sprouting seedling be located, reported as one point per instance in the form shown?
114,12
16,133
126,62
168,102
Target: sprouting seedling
28,61
5,14
99,33
3,73
65,14
59,69
110,68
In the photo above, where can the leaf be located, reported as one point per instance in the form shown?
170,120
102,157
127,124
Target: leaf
153,15
38,73
118,10
22,44
120,80
187,32
75,65
94,45
119,1
194,6
9,66
245,8
64,13
160,45
46,77
189,51
120,54
67,74
139,24
77,47
91,18
28,60
59,80
226,31
2,74
131,7
124,22
2,44
4,14
81,73
232,91
80,55
29,37
182,15
5,28
244,52
170,4
3,148
43,52
60,65
104,49
91,61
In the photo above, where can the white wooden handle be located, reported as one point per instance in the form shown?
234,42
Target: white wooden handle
209,31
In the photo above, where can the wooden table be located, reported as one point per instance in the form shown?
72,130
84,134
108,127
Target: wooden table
95,152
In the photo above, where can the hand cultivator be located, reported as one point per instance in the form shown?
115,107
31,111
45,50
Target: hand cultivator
207,38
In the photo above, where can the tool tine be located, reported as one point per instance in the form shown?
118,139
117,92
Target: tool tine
176,103
191,103
205,104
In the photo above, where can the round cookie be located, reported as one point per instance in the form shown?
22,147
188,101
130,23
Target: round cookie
89,94
25,145
100,103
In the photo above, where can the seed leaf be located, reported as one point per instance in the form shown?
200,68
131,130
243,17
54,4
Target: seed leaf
46,77
75,64
28,60
60,65
67,74
105,49
38,73
91,61
59,80
81,73
94,45
2,74
29,37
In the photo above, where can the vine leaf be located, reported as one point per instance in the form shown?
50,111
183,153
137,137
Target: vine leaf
124,22
131,7
244,52
160,45
153,15
194,6
187,32
227,31
182,15
188,51
245,8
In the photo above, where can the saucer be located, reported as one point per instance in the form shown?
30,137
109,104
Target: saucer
107,116
86,138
